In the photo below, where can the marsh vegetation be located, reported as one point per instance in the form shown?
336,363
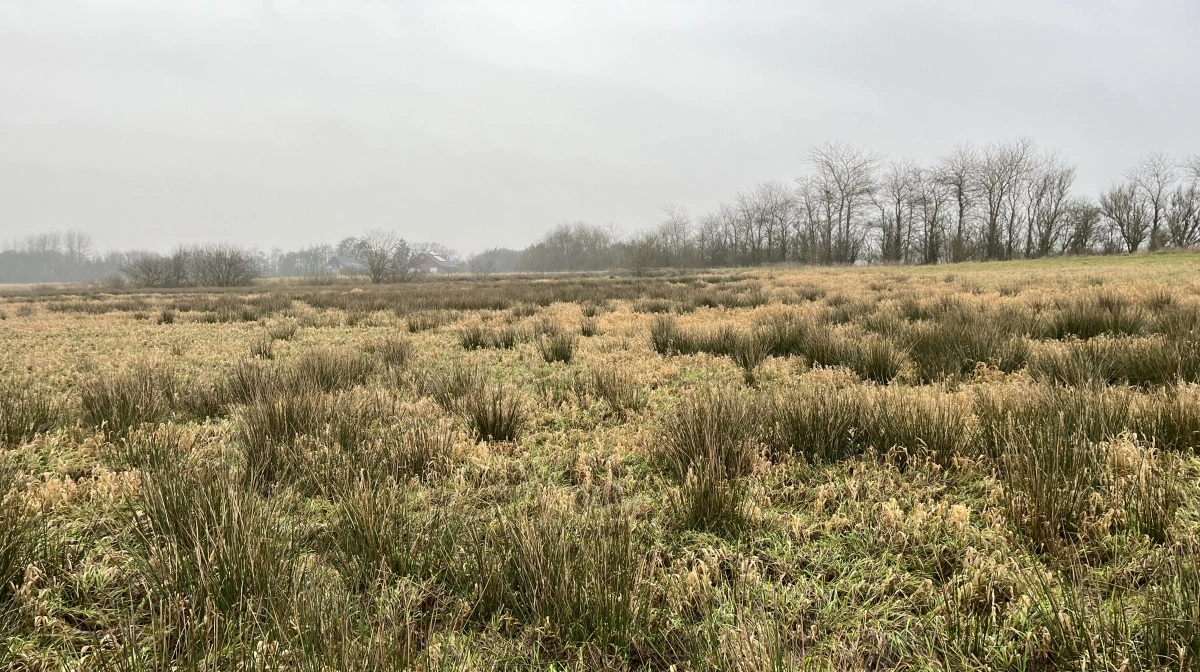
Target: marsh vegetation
955,468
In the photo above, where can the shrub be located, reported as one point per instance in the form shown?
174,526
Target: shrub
494,413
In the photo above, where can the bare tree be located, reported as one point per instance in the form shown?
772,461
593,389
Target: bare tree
675,234
896,199
1048,192
933,201
1154,177
998,182
1183,216
1128,213
482,265
377,250
313,261
1081,226
220,265
641,252
957,172
77,245
152,270
843,183
778,209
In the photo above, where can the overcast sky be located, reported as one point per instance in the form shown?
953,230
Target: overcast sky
479,124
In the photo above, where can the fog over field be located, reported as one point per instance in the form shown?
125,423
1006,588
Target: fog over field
281,124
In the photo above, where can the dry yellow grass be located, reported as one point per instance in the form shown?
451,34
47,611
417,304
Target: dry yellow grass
910,483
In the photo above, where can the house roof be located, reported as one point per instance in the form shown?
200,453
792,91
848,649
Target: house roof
438,259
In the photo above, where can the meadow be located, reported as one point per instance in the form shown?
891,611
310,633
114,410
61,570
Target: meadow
960,467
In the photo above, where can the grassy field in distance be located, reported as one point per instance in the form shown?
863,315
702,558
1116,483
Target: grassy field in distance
960,467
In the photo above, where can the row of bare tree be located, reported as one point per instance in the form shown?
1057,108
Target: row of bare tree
55,256
213,265
1001,201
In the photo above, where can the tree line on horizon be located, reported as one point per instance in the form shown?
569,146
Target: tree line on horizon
1002,201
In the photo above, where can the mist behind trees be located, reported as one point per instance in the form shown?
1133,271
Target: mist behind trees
1000,201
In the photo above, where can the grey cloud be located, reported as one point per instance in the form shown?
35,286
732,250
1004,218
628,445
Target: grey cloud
482,123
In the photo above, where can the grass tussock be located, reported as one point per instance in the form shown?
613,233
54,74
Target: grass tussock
578,579
330,370
26,410
1063,489
479,337
142,393
394,352
17,538
495,413
1149,362
619,389
709,446
557,347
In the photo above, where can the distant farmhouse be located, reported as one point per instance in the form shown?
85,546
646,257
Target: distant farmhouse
432,263
343,266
